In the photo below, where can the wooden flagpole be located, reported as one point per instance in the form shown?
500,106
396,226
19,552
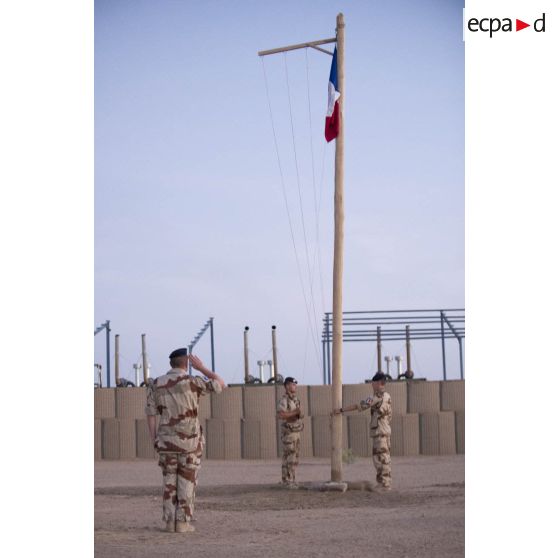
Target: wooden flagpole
337,319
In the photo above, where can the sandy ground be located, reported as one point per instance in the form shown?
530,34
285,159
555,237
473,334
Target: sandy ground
242,512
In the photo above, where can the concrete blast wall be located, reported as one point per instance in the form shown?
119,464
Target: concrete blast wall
452,395
259,439
259,403
110,438
130,402
437,433
359,434
98,439
428,418
399,396
321,435
227,404
223,439
405,435
423,397
460,431
319,400
104,403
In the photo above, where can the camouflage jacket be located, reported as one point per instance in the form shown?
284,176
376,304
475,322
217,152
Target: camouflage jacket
175,397
380,408
289,403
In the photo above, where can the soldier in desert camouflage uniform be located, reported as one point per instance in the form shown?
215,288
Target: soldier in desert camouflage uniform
380,429
288,410
179,438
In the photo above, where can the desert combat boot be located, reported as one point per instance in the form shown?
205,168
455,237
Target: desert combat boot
184,527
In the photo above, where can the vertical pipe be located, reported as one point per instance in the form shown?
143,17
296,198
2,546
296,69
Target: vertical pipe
261,364
460,357
275,369
379,347
443,342
328,353
99,374
336,392
409,371
107,327
323,362
399,368
117,359
388,359
212,344
246,366
144,357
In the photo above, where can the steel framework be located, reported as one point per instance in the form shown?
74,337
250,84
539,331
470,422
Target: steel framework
106,326
394,325
208,324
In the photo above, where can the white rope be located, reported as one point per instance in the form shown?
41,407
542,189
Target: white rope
316,205
283,189
302,214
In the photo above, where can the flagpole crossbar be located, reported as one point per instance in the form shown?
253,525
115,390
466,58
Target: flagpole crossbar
322,49
312,44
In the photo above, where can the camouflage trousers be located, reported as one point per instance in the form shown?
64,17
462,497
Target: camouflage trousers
381,457
291,450
180,474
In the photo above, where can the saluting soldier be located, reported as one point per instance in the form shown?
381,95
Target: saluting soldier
289,411
179,439
380,428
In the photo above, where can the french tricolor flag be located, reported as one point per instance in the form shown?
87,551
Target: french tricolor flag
332,116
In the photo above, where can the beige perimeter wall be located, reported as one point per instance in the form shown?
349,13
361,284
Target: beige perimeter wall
240,423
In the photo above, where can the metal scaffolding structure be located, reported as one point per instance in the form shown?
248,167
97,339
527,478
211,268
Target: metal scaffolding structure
396,325
106,327
208,324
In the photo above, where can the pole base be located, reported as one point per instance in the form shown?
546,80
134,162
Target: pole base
329,486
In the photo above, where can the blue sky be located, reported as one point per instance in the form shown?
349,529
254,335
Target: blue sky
190,220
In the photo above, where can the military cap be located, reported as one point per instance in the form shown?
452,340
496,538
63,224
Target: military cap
288,380
179,353
379,377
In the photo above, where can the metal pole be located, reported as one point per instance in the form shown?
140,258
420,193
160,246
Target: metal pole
275,370
212,344
409,371
99,374
328,353
388,359
261,364
144,357
443,343
324,360
460,357
117,359
399,368
336,392
107,327
379,347
246,365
